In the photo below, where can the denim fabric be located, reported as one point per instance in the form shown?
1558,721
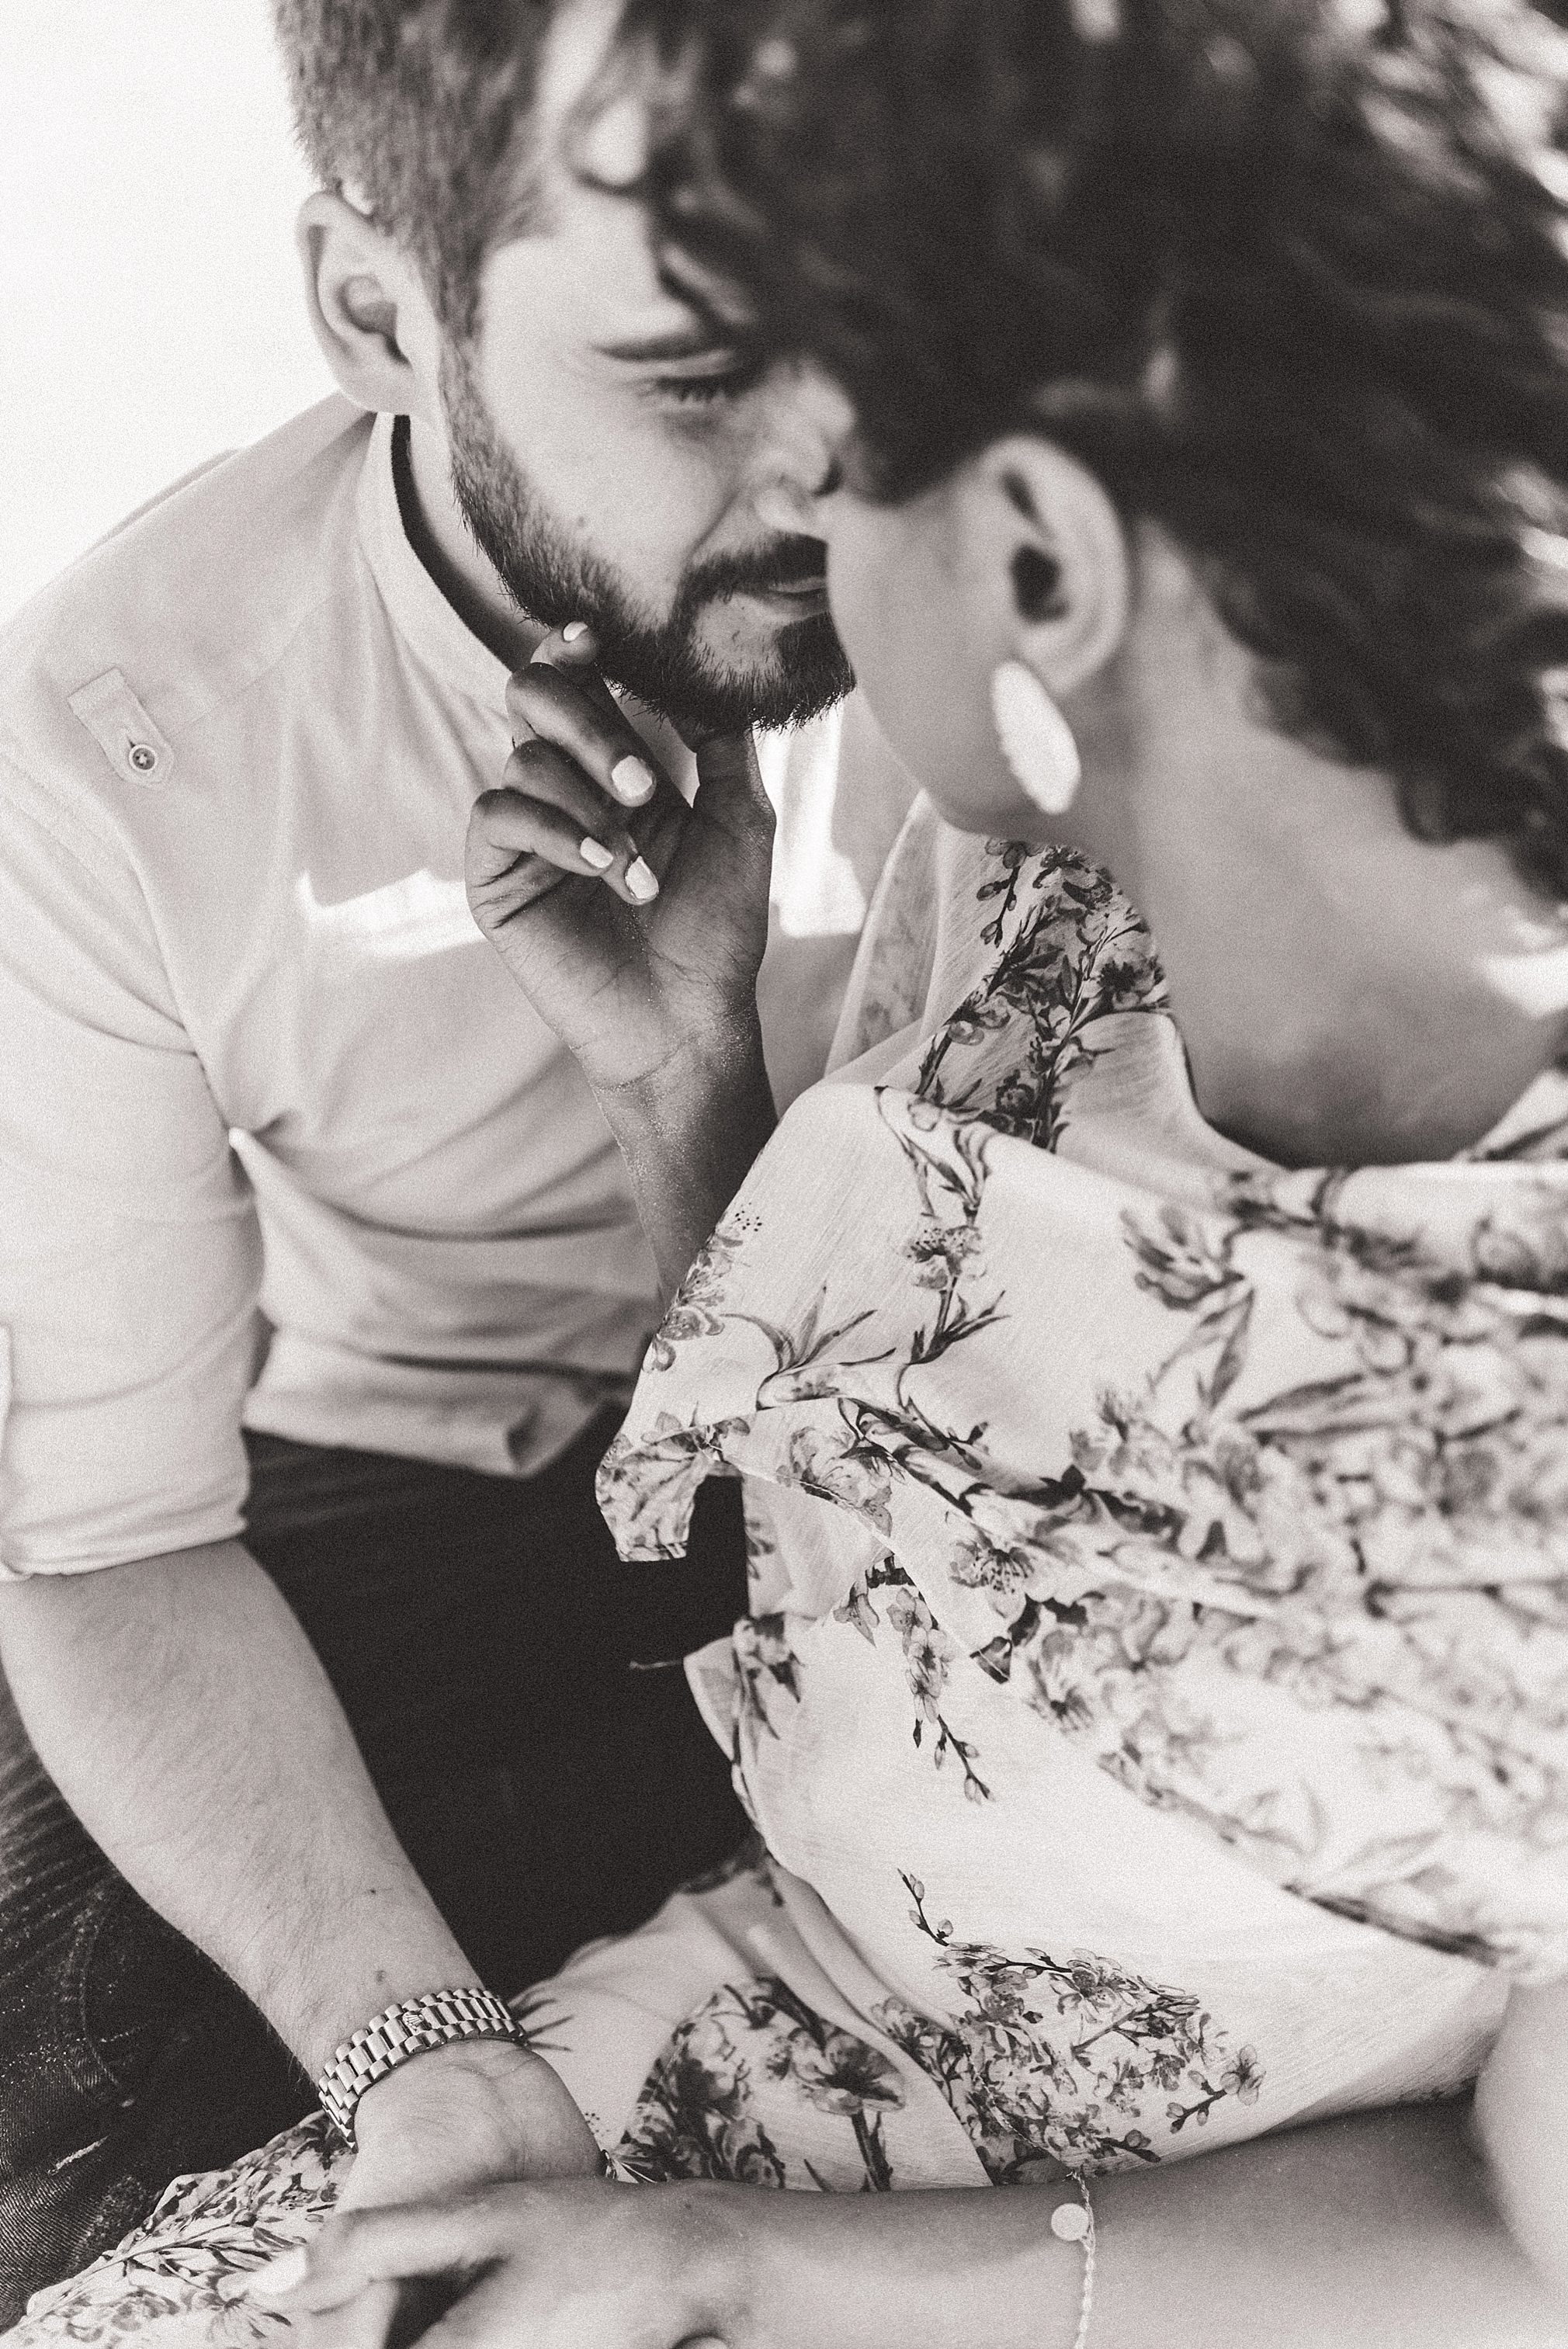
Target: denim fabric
485,1642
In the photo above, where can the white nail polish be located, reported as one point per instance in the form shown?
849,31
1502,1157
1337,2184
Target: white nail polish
641,882
572,630
594,853
279,2275
632,781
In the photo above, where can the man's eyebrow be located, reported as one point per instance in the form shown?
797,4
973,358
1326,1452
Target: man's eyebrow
692,342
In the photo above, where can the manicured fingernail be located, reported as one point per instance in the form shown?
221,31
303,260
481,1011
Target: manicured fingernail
280,2276
632,781
572,630
594,853
641,882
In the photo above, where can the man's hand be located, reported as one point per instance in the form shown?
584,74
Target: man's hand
635,923
464,2116
450,2123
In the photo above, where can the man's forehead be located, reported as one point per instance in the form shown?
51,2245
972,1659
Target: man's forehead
587,273
577,48
587,260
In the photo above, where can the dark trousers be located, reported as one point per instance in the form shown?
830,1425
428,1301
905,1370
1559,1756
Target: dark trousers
485,1643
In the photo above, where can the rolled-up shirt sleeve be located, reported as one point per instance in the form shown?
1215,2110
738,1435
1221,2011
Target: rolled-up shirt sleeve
129,1248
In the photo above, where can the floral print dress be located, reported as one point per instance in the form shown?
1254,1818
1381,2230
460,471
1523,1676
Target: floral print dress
1153,1704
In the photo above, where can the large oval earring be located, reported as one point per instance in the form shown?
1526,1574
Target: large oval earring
1036,739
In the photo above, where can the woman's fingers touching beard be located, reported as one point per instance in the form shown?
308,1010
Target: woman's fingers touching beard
549,808
635,931
583,796
580,778
518,853
561,697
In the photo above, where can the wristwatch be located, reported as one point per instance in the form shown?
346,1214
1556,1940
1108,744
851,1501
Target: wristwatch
410,2028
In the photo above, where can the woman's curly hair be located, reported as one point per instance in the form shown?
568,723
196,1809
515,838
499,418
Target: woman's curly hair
1290,275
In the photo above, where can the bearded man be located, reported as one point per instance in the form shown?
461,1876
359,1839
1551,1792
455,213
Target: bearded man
321,1687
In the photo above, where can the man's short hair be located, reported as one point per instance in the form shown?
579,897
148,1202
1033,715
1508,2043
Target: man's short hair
419,110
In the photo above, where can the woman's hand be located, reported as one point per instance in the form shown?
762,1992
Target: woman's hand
633,923
1375,2228
579,2265
635,926
564,2264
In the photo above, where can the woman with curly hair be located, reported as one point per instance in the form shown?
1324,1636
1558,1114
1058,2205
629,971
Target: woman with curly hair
1147,1354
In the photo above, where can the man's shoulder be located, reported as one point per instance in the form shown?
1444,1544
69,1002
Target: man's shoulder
186,602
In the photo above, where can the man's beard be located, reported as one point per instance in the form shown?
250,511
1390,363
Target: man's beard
804,672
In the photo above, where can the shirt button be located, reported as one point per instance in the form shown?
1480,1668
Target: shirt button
1070,2222
142,757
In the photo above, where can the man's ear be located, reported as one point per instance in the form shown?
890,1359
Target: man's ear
369,310
1046,557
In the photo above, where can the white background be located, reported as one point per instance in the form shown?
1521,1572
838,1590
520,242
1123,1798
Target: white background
150,305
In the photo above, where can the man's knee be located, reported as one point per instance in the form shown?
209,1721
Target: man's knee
139,2064
92,1983
67,2176
206,2092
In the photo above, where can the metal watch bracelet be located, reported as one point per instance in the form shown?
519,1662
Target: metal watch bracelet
413,2026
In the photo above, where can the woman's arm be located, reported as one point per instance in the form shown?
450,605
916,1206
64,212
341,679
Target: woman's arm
1371,2233
635,926
689,1134
1522,2124
1375,2231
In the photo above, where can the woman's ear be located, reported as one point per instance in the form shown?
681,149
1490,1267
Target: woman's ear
369,309
1047,557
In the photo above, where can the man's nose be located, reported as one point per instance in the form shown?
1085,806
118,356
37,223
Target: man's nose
786,505
798,465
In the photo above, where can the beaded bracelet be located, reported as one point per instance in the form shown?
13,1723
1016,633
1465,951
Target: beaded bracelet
1073,2224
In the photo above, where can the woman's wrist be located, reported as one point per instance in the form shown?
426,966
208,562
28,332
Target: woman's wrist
828,2272
704,2241
689,1130
703,1064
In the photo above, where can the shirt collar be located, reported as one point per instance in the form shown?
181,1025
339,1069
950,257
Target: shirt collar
420,611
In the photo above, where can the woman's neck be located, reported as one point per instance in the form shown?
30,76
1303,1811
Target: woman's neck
1332,976
1347,994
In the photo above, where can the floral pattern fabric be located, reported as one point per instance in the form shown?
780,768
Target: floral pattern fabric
1250,1484
184,2276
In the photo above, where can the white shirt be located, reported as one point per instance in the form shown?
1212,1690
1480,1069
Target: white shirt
254,1050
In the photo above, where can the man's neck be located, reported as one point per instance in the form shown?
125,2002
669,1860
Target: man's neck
435,528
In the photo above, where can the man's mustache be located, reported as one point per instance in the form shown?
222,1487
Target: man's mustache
784,561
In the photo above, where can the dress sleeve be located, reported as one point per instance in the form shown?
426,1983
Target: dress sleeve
130,1248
